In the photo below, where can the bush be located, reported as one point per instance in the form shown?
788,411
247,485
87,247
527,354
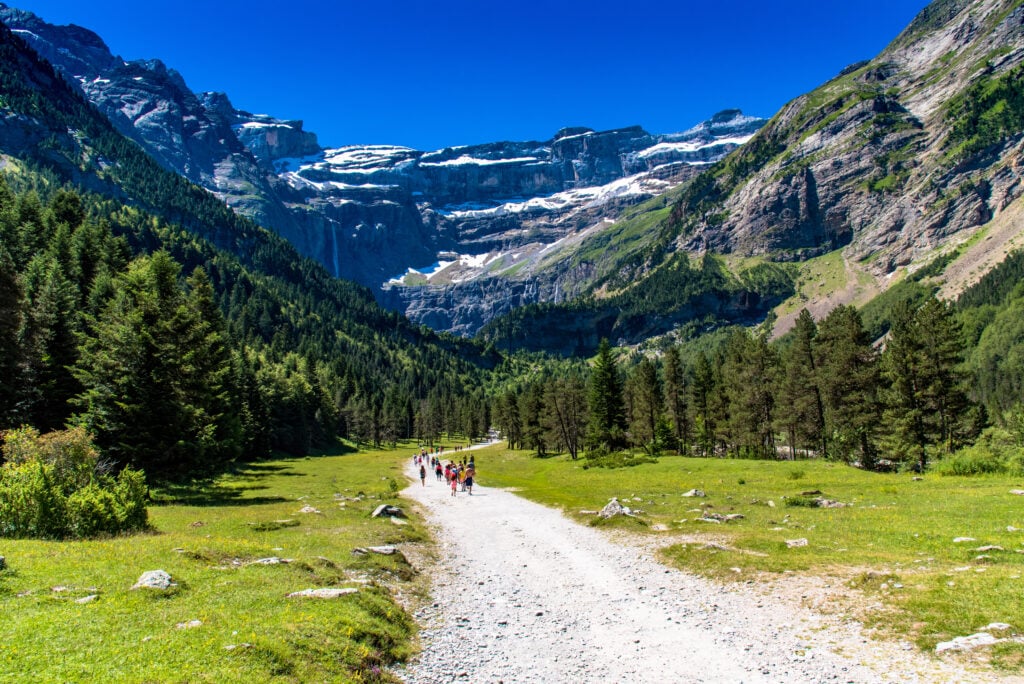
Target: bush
979,459
54,486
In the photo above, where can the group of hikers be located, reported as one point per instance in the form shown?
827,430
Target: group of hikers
458,475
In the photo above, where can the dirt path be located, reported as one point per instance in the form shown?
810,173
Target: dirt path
522,594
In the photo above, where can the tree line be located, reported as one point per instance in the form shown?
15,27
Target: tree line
179,359
826,389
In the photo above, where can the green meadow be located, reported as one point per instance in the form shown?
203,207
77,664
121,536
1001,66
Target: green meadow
894,541
228,619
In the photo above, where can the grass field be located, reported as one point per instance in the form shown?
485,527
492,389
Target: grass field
895,541
243,628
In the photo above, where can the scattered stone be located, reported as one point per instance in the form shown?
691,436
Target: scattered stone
155,579
1000,629
387,510
232,647
812,492
989,547
323,592
398,521
771,504
822,502
709,519
197,523
695,492
588,512
59,589
1017,492
382,550
273,560
966,643
612,509
960,540
1011,528
795,543
916,478
191,624
87,599
310,509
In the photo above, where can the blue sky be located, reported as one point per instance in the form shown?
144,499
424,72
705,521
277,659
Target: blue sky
450,72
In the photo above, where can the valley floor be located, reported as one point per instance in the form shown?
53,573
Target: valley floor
523,594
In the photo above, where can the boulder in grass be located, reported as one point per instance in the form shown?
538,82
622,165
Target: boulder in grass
966,643
155,579
379,550
612,509
323,592
387,510
696,492
795,543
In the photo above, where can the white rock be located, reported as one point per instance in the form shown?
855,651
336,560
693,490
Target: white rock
965,643
796,543
154,579
695,492
191,624
960,540
323,592
309,509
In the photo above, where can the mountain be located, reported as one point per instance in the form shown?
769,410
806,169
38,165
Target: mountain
449,237
894,161
313,356
849,189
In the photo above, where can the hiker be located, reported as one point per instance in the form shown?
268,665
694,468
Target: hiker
423,475
470,472
455,483
438,470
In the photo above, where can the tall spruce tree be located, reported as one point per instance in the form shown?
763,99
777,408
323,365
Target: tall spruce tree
644,391
607,424
924,399
802,420
675,400
847,367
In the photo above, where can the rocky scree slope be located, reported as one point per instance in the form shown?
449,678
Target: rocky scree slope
390,217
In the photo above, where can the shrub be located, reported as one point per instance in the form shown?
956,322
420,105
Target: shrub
55,486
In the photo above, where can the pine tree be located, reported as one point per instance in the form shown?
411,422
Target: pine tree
607,424
803,418
645,405
924,400
565,402
675,400
748,376
848,378
706,394
10,348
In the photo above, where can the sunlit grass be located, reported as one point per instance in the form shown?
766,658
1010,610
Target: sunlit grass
206,538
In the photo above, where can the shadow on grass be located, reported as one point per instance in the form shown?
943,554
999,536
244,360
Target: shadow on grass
209,494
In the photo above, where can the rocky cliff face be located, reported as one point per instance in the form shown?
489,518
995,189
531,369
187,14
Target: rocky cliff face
382,215
884,158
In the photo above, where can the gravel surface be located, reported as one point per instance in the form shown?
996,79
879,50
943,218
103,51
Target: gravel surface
523,594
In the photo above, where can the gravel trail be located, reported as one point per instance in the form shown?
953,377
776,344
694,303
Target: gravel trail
523,594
